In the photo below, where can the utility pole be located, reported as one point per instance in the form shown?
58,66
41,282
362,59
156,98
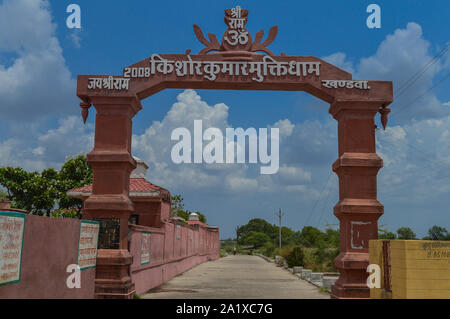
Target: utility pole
280,214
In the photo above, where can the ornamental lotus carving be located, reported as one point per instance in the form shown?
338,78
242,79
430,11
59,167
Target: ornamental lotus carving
236,38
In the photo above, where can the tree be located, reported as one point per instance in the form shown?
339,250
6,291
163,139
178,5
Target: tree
405,233
178,209
287,236
256,239
3,194
296,257
437,233
34,192
311,236
385,234
177,205
259,225
75,173
332,238
39,193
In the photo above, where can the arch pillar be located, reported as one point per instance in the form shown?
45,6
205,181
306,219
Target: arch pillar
112,163
358,208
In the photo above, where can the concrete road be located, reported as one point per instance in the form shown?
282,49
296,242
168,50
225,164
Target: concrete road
237,277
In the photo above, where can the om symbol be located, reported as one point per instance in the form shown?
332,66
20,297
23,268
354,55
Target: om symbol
234,37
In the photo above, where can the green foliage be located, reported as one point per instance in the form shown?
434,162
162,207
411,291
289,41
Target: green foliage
256,239
3,194
75,173
285,251
308,237
385,234
178,209
228,249
183,214
64,213
310,247
311,236
258,225
332,237
177,205
319,255
295,257
227,242
323,289
38,193
437,233
269,249
34,192
201,217
405,233
287,236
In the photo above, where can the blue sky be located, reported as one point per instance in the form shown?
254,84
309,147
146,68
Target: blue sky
40,59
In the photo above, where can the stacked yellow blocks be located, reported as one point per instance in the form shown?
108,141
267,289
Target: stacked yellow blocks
419,269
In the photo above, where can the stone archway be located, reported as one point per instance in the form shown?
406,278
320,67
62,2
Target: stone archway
236,64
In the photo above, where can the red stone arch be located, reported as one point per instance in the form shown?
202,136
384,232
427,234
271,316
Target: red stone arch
353,104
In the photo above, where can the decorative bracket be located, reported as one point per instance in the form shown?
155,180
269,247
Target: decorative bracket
384,111
85,105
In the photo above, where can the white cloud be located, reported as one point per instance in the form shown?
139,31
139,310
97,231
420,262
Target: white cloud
241,184
37,150
416,160
289,174
399,57
154,146
38,82
76,38
285,126
339,59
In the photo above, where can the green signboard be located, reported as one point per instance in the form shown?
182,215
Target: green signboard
12,230
87,244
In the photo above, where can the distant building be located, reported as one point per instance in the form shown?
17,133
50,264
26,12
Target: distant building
152,202
5,206
195,221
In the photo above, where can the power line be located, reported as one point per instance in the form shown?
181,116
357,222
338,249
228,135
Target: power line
421,153
407,84
435,165
417,98
324,205
312,210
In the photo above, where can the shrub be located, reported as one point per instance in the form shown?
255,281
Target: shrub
229,249
295,257
268,249
65,213
285,251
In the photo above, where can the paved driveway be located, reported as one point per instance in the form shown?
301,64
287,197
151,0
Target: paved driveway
237,277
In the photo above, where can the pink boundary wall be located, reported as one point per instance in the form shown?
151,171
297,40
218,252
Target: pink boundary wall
170,256
49,246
